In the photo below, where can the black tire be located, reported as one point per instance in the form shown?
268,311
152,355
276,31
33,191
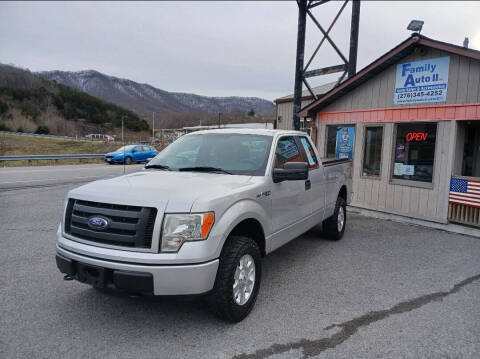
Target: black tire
111,163
221,298
331,225
128,160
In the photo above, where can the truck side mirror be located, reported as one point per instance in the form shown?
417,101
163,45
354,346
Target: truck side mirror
292,171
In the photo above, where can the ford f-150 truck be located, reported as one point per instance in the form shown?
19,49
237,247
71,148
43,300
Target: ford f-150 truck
201,215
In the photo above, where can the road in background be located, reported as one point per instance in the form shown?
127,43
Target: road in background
386,290
41,176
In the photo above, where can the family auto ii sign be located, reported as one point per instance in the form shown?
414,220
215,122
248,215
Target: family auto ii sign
422,81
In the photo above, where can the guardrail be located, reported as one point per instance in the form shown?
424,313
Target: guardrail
79,156
27,134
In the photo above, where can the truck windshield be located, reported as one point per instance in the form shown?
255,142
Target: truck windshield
240,154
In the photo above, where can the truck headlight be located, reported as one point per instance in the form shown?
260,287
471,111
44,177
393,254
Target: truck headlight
179,228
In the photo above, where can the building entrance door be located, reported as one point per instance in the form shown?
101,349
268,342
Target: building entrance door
471,150
464,197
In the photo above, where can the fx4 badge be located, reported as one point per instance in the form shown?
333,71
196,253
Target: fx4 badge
265,194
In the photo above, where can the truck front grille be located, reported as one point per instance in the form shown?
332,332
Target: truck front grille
128,226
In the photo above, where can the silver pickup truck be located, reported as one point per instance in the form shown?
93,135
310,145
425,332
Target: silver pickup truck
201,215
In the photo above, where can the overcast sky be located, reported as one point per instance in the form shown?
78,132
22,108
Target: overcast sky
210,48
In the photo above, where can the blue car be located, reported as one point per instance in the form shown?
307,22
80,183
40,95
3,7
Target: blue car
131,154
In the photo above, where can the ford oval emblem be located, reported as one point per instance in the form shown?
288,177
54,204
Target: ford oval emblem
98,223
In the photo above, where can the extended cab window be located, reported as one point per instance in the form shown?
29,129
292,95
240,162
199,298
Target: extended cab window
309,152
287,151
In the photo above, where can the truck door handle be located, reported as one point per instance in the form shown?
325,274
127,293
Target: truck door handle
308,185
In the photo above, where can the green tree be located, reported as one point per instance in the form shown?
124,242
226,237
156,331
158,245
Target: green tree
42,130
3,108
4,127
251,113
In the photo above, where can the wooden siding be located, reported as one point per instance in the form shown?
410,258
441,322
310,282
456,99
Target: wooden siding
463,84
380,194
285,109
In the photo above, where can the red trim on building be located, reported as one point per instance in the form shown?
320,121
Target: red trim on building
469,111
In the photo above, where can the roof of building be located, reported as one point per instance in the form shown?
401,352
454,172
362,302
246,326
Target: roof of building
405,48
306,95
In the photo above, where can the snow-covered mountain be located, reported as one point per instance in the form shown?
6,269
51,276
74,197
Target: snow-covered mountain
145,98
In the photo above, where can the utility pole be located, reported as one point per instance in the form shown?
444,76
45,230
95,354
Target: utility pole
219,119
297,100
123,142
352,60
153,126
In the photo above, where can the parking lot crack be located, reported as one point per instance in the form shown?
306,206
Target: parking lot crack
347,329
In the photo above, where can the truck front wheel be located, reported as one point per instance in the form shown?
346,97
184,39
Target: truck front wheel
334,227
238,279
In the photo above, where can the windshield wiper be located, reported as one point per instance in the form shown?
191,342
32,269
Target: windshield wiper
160,167
204,169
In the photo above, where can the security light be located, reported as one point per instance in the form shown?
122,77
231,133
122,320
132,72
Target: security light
415,25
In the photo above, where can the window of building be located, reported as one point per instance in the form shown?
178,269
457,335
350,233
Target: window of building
414,151
331,141
309,152
341,141
372,155
287,151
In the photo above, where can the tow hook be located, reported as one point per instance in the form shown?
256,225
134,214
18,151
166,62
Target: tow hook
68,277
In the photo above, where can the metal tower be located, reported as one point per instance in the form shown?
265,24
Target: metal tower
348,66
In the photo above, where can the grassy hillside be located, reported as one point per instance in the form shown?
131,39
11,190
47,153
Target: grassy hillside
23,145
26,100
26,145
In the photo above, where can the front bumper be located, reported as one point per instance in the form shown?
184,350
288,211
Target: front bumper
113,160
183,279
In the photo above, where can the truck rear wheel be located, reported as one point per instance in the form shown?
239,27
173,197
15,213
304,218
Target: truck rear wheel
334,227
238,279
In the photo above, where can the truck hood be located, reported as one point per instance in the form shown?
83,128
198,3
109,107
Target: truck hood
168,191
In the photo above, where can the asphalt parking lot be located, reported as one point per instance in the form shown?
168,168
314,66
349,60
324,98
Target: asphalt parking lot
387,290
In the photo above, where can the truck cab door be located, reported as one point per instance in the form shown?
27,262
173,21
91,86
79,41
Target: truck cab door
290,204
316,174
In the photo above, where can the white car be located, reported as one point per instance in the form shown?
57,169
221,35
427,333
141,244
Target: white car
201,216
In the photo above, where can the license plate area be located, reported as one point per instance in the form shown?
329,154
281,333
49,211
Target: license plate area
92,275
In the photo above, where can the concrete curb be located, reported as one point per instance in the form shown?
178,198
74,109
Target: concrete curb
450,227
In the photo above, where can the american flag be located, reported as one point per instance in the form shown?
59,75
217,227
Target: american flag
465,191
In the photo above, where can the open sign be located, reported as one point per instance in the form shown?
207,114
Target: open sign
416,136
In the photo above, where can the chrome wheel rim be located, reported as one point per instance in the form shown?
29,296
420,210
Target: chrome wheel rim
340,219
244,279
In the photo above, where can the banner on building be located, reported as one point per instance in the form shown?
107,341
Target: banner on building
423,81
345,142
465,192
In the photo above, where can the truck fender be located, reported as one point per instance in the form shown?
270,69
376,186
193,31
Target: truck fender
238,212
